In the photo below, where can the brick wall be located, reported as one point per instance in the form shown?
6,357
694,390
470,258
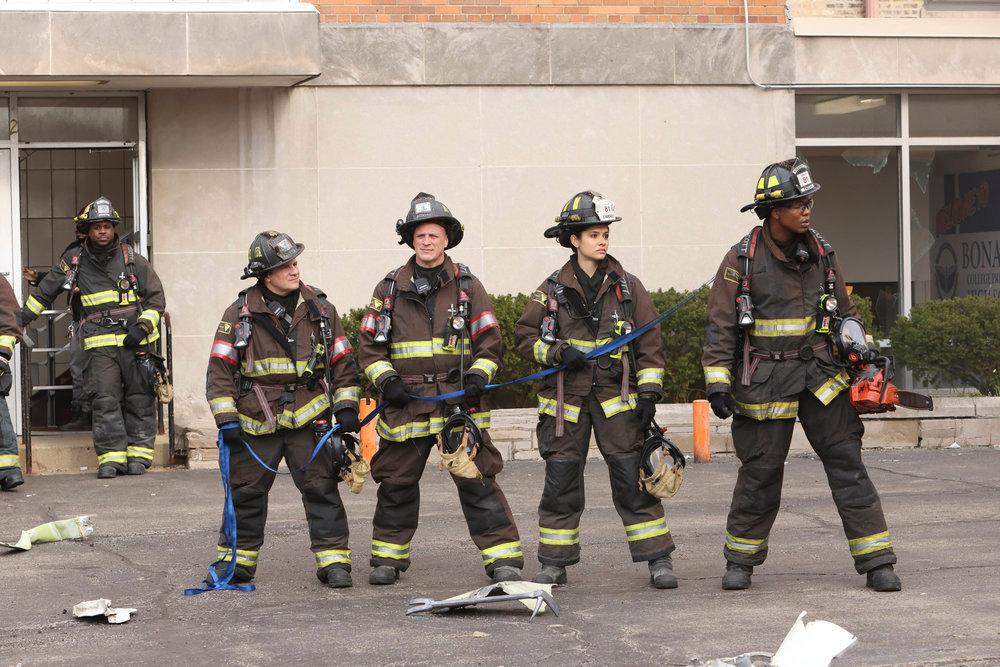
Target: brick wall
549,11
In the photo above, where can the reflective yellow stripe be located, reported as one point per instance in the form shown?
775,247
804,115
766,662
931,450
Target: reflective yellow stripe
745,545
100,298
423,428
390,550
115,340
829,389
547,406
272,366
650,376
243,557
112,457
558,536
541,351
377,369
137,452
10,461
643,531
772,410
718,375
501,552
787,327
412,349
486,366
615,406
331,556
151,316
347,394
287,419
866,545
34,305
222,405
8,342
587,345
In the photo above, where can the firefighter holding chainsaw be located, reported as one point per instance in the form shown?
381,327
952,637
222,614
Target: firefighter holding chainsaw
778,297
279,365
121,300
586,303
430,330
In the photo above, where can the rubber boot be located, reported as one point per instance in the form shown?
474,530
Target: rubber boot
505,573
335,576
107,472
241,575
383,575
737,577
661,573
135,468
81,421
883,580
10,478
551,574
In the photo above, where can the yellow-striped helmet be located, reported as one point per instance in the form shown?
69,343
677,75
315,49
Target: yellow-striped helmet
584,209
782,181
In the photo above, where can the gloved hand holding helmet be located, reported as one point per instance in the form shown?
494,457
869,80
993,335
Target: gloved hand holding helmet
645,410
475,387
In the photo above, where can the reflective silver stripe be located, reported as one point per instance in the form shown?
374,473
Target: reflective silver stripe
377,369
225,351
222,405
331,556
411,349
650,376
718,375
151,316
616,405
34,305
829,389
559,536
389,550
784,327
501,551
112,457
486,320
8,342
646,530
865,545
136,452
486,366
352,394
10,461
243,557
541,351
341,346
368,323
773,410
547,406
745,545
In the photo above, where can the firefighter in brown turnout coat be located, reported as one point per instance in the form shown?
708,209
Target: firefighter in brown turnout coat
10,333
768,360
429,330
586,303
266,371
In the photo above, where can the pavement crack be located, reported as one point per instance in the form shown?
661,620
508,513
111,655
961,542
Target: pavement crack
966,482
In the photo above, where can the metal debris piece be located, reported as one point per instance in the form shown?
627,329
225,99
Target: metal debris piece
536,597
102,607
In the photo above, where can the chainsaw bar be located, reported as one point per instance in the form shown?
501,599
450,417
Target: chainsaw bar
914,401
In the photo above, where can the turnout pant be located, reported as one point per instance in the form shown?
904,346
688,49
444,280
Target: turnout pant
398,466
835,432
78,358
8,439
250,484
619,439
124,409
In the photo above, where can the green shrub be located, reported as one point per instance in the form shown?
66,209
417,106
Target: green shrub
866,313
952,341
683,338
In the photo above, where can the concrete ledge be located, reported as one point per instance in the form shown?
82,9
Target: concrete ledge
74,452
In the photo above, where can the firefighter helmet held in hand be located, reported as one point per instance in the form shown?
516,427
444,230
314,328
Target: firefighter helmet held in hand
97,210
584,209
781,182
425,208
268,251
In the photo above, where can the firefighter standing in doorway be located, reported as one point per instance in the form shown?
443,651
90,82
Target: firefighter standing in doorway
10,334
767,360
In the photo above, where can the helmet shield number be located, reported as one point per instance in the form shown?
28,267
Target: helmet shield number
605,209
803,179
421,208
284,248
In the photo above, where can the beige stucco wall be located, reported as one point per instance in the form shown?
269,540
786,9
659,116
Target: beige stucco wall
336,166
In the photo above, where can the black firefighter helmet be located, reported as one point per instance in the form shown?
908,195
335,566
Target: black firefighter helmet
270,250
780,182
99,209
584,209
425,208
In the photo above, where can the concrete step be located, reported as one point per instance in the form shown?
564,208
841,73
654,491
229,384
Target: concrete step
74,452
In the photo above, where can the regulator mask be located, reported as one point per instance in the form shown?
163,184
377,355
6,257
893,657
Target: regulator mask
850,341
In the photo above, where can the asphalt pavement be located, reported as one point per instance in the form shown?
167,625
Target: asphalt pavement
154,535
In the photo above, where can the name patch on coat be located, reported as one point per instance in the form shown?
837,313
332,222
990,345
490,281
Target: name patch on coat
376,304
732,275
225,327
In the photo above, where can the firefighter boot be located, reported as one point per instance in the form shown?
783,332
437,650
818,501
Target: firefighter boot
335,576
106,471
883,579
80,422
505,573
241,575
551,574
135,468
661,572
10,478
383,575
737,577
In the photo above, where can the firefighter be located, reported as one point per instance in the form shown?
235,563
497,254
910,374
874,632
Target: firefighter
767,360
279,363
430,329
587,302
122,300
10,333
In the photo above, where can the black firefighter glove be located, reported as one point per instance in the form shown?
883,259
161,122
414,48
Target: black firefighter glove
6,378
134,335
645,410
475,387
723,404
574,359
232,436
394,392
348,420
